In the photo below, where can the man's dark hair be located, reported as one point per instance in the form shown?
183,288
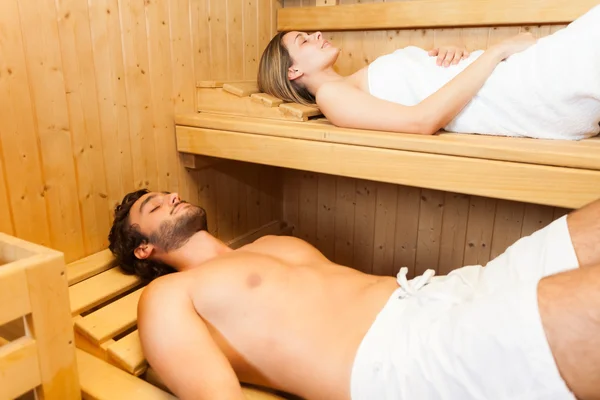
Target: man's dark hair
124,238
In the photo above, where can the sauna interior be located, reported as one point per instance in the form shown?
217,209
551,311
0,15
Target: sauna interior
100,98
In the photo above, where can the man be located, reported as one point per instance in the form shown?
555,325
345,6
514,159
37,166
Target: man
278,313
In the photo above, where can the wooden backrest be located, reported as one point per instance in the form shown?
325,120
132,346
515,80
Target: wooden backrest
366,31
431,14
33,286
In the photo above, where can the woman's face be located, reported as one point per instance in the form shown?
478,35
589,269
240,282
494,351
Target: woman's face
311,53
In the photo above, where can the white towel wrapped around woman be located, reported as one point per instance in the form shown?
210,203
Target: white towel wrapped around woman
549,91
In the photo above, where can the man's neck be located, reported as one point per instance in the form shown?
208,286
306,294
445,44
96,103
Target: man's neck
201,248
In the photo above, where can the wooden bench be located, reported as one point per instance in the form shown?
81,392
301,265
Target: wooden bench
564,174
39,355
104,309
556,173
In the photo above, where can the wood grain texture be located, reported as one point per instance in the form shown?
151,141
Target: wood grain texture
565,187
430,14
88,94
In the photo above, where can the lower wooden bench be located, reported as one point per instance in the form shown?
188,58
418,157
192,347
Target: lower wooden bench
104,308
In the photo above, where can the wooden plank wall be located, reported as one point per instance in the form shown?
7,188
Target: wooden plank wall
88,90
230,36
378,228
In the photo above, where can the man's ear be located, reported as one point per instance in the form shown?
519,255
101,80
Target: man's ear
143,251
294,73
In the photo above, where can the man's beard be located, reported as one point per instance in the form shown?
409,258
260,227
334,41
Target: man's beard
172,235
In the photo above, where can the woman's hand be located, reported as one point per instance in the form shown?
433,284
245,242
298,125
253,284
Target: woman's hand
449,55
515,44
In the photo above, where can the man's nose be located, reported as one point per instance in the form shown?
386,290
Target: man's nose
174,198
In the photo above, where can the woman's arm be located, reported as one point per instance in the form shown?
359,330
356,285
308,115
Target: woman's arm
350,107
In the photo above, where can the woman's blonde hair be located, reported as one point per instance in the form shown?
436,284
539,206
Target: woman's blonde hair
273,74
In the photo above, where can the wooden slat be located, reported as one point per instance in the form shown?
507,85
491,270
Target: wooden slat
225,216
507,226
408,209
80,87
307,223
291,197
581,154
98,289
565,187
18,133
480,227
105,25
83,343
326,187
429,230
250,38
364,225
110,320
241,89
6,223
345,205
102,381
535,218
385,232
299,110
235,38
431,13
47,86
266,99
139,95
454,230
128,354
87,267
14,294
161,69
19,368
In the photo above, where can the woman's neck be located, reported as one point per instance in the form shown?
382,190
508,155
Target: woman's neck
314,81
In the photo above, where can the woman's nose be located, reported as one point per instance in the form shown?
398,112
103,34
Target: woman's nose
318,35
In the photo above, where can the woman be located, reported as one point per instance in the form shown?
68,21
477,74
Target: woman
548,88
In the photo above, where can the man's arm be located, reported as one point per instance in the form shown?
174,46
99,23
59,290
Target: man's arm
179,347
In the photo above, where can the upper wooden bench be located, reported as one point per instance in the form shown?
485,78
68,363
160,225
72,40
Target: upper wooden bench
236,122
556,173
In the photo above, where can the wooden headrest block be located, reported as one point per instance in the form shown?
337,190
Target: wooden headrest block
242,89
266,100
299,110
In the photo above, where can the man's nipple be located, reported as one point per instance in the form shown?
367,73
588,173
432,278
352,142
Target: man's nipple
253,280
